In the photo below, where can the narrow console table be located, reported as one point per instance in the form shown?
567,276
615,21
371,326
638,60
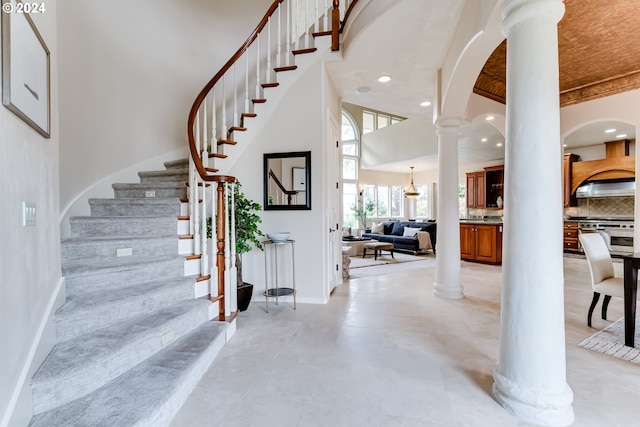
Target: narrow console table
276,291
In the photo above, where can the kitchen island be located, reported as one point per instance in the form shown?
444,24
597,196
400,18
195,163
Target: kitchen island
481,240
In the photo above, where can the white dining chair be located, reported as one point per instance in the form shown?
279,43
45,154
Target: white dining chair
603,279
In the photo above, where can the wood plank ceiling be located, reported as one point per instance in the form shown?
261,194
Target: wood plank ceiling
598,50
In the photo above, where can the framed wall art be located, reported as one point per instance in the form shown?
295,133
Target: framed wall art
25,68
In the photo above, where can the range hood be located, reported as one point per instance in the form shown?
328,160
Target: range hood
606,189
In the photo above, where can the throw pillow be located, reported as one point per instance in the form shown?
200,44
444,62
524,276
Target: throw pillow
377,228
346,231
410,232
398,229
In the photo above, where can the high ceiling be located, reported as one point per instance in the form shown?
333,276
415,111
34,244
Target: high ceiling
599,55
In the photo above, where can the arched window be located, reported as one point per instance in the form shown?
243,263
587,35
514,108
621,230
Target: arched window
350,165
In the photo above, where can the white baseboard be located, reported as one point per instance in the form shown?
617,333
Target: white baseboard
20,409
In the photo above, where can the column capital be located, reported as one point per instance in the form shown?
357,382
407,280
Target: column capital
516,11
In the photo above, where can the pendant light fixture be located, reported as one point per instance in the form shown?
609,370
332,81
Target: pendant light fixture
411,192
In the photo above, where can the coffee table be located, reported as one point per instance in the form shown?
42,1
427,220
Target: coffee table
356,245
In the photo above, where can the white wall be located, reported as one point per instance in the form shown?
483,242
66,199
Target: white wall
298,124
29,256
129,74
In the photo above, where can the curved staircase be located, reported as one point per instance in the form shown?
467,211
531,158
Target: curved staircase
144,316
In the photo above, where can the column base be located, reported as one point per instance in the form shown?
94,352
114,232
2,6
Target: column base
536,406
447,291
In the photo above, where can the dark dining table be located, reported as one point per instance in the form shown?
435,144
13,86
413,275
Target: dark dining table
631,265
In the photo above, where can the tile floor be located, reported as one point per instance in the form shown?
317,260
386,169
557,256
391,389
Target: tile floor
386,352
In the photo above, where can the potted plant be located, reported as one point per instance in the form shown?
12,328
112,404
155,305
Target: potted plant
247,234
362,210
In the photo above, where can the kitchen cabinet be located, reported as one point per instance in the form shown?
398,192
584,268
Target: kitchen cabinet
568,198
475,190
494,186
570,236
481,243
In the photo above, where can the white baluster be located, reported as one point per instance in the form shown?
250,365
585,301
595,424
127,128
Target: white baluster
246,82
258,67
325,27
192,184
223,129
235,99
205,147
213,123
296,27
196,211
307,34
316,19
204,258
289,27
279,54
233,280
268,70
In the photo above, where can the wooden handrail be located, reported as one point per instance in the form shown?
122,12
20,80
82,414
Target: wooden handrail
289,193
346,15
205,90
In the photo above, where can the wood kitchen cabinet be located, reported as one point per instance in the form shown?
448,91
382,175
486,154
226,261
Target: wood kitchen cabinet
568,198
570,237
481,243
475,190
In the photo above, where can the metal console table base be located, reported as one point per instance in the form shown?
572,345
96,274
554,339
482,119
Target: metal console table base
277,291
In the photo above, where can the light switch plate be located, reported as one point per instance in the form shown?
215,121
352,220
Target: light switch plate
151,193
124,252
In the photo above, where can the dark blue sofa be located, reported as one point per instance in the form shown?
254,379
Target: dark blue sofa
393,231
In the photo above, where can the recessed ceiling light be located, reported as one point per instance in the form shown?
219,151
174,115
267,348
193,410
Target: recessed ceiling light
564,145
489,118
384,79
425,103
484,140
609,131
622,135
363,89
499,144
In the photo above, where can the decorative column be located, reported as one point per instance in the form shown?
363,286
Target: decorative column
530,379
447,284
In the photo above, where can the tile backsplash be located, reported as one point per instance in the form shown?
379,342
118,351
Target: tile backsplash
616,207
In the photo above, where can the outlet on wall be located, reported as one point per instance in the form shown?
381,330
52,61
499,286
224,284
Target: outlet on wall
28,214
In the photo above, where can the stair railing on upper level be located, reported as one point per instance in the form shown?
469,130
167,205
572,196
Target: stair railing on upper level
219,112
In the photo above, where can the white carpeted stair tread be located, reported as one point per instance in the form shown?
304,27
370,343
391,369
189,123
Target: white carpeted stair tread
89,226
180,163
120,264
149,394
118,273
76,249
83,364
167,175
98,309
136,206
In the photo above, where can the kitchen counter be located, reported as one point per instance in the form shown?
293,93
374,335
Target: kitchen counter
480,221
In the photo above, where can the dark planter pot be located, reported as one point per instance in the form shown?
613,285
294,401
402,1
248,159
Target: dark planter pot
245,292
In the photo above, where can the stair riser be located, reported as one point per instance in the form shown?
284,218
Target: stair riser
51,392
125,226
134,207
116,278
182,178
98,316
159,192
105,250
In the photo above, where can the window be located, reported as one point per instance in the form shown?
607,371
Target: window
350,166
422,202
387,200
396,201
373,121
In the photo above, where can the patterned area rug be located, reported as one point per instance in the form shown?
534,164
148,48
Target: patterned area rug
610,341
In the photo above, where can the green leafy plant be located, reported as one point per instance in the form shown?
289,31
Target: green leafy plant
246,222
362,210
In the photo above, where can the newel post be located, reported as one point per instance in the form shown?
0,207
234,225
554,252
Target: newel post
335,26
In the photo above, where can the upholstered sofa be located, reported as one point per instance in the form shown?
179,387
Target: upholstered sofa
405,240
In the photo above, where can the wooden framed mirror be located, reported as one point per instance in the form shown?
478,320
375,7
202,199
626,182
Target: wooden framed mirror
287,181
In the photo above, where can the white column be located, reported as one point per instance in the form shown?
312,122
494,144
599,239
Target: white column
530,379
447,284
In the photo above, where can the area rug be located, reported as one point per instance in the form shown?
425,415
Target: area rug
385,258
610,341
